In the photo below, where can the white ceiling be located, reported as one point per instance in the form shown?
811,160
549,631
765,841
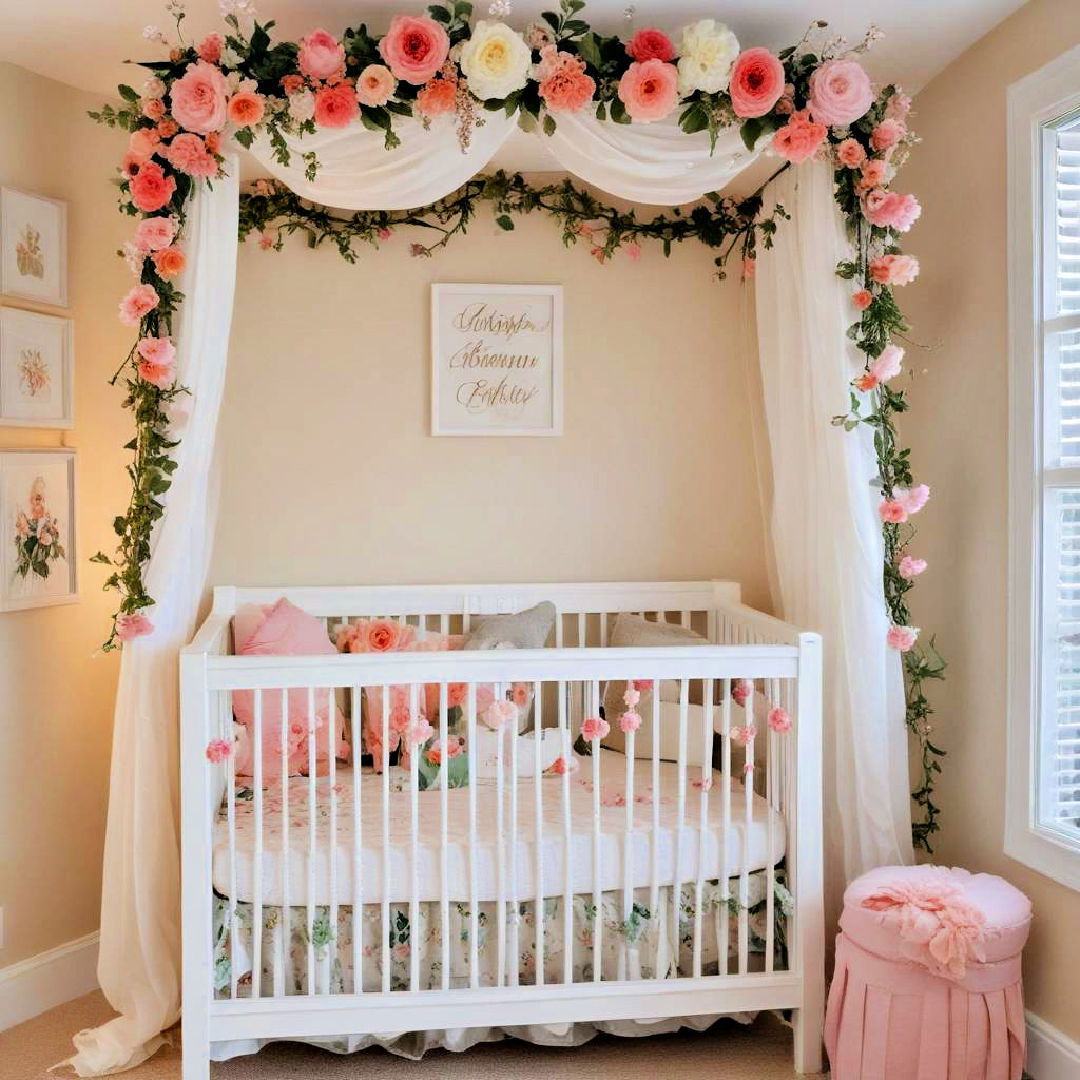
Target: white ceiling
84,42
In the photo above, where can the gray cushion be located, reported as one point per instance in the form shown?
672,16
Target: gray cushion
527,629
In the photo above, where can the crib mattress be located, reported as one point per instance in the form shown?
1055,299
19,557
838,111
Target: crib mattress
518,871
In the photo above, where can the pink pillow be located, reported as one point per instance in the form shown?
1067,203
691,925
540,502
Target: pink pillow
283,629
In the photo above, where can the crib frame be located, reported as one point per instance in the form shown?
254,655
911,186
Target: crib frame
749,645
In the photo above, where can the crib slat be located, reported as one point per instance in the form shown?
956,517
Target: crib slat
598,921
286,828
257,919
582,630
385,921
539,795
744,868
566,741
770,796
331,844
654,838
474,901
313,737
358,843
230,796
725,879
444,830
500,858
628,849
703,819
415,748
680,813
515,885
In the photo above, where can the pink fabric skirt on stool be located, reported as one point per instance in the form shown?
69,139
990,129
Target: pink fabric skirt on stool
927,984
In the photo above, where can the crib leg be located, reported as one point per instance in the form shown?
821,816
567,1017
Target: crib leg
195,1061
808,1041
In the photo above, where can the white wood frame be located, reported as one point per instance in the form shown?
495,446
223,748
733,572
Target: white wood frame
71,547
556,293
67,420
759,647
61,298
1036,100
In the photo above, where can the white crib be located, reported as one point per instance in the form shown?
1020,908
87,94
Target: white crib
531,844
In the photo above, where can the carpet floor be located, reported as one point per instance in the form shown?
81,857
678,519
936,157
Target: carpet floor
727,1049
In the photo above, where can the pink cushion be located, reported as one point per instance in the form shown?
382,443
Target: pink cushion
1005,910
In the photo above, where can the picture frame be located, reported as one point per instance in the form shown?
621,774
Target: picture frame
37,368
38,497
496,360
33,247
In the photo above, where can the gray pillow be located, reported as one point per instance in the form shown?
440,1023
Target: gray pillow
527,629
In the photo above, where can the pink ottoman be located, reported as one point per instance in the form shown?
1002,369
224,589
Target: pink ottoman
927,983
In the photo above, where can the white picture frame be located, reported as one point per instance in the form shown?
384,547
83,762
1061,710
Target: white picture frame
33,247
468,344
37,368
38,488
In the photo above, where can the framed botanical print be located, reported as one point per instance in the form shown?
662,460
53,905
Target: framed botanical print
496,360
38,554
36,369
33,247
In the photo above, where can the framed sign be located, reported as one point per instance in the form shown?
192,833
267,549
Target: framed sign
38,555
33,247
496,360
35,369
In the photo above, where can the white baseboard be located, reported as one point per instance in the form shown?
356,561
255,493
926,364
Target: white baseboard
1051,1054
42,982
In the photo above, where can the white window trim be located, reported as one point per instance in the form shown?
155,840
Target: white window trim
1045,95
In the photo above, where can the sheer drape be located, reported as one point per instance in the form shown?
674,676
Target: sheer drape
139,962
826,532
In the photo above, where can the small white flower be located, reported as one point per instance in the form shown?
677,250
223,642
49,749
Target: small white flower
302,106
153,88
229,57
134,258
153,34
629,12
500,9
176,8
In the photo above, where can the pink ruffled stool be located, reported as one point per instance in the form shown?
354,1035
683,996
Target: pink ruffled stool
927,983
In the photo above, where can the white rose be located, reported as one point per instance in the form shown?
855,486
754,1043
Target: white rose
708,50
302,106
495,60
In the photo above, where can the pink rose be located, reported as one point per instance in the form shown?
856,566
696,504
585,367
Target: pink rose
246,108
335,106
209,49
321,55
912,499
629,721
779,720
892,512
218,751
153,108
840,92
141,300
874,173
157,361
891,210
799,138
143,144
862,299
150,188
198,98
887,365
910,567
292,84
741,690
521,694
894,269
437,97
133,626
898,106
593,728
850,153
649,89
650,44
902,638
499,715
415,47
887,134
564,86
375,85
757,83
187,153
154,233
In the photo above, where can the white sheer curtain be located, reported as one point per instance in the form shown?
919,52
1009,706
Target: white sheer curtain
139,962
826,532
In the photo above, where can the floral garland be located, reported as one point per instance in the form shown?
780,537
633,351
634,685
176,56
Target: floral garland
811,100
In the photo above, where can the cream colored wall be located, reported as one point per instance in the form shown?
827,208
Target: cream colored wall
56,698
958,426
330,475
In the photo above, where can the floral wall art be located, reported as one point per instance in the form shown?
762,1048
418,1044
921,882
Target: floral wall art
33,247
35,369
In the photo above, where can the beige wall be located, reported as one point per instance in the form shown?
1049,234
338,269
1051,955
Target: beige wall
55,697
330,475
958,426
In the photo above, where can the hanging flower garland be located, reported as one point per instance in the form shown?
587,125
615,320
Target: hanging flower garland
811,100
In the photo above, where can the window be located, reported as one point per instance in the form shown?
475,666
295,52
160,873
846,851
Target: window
1043,799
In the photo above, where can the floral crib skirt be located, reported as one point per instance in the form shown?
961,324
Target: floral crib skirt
649,944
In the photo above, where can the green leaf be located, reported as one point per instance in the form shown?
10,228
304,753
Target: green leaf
549,124
589,49
505,222
128,93
750,132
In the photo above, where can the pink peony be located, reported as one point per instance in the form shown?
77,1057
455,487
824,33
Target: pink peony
850,153
133,626
157,361
779,720
218,751
887,365
894,269
892,512
499,715
199,97
840,92
564,86
887,134
209,49
246,108
187,153
321,55
593,728
437,97
862,299
913,499
415,47
799,139
629,721
151,189
375,85
650,44
891,210
335,106
910,567
757,83
902,638
154,233
649,89
141,300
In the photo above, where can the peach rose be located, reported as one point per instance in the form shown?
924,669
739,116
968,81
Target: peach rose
157,361
188,154
382,636
649,90
414,48
151,189
757,83
140,301
850,153
153,108
143,143
887,134
209,49
375,85
199,98
437,97
246,108
891,210
894,269
799,139
321,55
564,86
862,299
167,128
154,233
169,262
292,84
336,106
